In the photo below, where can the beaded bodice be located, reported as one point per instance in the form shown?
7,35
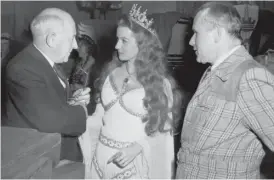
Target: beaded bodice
123,109
119,97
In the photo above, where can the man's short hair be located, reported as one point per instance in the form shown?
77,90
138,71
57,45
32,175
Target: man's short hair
49,20
222,14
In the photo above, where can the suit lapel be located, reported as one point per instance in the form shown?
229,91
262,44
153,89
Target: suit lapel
50,75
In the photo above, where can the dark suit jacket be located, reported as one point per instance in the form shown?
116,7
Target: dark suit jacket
36,99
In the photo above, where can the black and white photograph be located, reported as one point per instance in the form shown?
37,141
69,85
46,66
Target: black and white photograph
137,89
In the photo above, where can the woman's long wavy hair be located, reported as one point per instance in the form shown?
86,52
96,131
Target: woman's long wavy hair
151,69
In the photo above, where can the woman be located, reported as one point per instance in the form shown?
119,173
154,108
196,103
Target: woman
87,51
136,111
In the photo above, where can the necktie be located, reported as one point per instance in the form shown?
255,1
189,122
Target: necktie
63,77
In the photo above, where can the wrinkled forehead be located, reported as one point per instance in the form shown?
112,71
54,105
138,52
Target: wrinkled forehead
200,16
200,20
69,26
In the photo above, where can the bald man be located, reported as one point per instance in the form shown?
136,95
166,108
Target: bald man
37,93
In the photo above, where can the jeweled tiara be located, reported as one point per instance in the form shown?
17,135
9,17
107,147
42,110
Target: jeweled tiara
141,18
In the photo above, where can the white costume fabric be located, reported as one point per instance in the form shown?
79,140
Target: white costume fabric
115,124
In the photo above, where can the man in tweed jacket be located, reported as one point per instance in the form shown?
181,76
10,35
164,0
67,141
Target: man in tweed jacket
223,137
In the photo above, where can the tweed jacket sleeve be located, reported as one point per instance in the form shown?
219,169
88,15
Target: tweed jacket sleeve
256,101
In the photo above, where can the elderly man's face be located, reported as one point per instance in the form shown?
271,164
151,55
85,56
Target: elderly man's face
67,42
203,40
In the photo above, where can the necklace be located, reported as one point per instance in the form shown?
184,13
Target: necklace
127,78
130,75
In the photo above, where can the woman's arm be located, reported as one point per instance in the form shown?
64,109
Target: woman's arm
89,138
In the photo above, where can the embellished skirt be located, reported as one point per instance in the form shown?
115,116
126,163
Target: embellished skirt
106,148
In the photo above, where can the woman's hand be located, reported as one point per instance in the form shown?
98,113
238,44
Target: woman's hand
80,96
126,155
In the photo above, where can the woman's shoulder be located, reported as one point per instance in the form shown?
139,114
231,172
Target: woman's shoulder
114,72
115,75
118,72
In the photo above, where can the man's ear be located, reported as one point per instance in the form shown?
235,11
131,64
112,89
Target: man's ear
218,34
51,40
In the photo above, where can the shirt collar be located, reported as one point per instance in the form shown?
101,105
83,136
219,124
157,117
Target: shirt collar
223,57
47,58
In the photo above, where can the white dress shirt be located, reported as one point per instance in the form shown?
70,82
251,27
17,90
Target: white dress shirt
51,64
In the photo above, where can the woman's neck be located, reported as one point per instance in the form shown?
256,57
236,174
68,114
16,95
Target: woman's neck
130,68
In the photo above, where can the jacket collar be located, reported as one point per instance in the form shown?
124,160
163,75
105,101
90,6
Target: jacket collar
34,52
231,62
50,73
